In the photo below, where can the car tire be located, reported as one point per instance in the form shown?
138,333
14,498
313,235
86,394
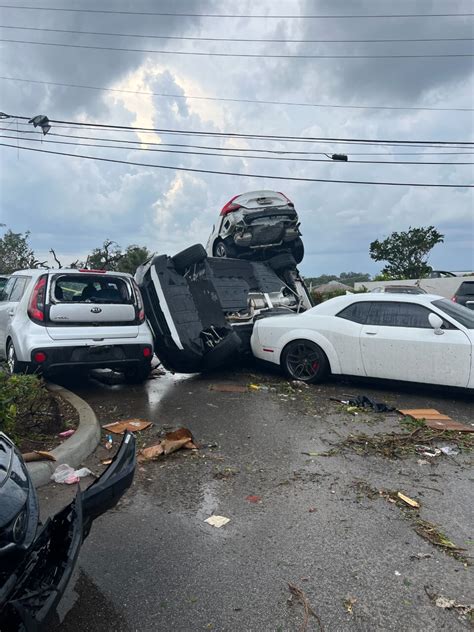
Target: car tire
138,374
224,349
190,256
13,364
223,249
284,261
304,360
297,250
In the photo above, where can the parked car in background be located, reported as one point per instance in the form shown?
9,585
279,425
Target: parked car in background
399,289
465,294
416,338
256,225
37,560
56,319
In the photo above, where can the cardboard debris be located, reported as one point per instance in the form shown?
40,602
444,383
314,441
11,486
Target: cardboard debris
423,413
172,441
217,521
409,501
436,420
228,388
448,424
133,425
38,455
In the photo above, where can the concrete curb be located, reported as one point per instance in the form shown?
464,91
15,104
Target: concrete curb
75,449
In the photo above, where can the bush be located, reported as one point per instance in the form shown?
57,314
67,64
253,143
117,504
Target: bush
20,395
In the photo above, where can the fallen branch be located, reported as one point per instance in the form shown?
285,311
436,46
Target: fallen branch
300,596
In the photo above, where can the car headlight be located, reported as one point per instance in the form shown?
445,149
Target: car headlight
15,531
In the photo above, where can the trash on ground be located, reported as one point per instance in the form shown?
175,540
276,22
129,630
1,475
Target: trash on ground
422,414
254,499
108,442
409,501
66,474
254,387
38,455
217,521
228,388
364,402
172,441
66,433
449,450
420,556
349,603
448,424
106,461
133,425
422,462
301,598
299,384
426,450
311,453
449,604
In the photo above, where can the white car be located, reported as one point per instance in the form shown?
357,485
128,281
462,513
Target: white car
54,319
416,338
254,223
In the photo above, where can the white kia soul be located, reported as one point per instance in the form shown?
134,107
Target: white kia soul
54,319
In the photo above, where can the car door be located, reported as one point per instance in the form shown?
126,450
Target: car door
5,313
397,342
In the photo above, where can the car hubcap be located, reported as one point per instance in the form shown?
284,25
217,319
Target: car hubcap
220,250
303,362
11,359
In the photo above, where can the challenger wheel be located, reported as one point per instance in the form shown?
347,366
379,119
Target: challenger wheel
305,360
190,256
223,249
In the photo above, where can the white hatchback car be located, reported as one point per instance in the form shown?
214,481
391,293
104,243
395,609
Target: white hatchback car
417,338
53,319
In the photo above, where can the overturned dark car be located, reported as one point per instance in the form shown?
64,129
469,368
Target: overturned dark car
201,309
37,560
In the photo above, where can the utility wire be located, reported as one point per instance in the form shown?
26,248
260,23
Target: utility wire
233,15
227,99
240,39
233,149
232,55
244,156
297,139
237,174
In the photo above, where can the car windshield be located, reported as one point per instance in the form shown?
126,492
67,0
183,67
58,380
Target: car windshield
460,313
88,288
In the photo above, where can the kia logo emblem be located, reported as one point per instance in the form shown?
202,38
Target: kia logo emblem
96,310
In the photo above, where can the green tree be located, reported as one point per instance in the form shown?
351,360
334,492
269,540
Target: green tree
110,257
406,253
16,253
133,257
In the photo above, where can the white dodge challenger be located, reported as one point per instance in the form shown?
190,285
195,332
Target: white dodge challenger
416,338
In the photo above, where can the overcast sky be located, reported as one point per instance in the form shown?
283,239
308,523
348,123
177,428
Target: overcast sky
73,205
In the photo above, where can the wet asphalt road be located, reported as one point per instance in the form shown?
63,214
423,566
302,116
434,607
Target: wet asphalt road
154,564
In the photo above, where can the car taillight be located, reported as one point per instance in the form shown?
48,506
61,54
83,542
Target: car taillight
230,206
37,300
140,308
39,357
454,299
146,352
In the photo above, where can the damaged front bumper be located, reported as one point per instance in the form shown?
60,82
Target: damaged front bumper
32,590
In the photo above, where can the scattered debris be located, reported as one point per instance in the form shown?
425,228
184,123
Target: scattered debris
106,461
436,420
38,455
108,442
426,450
172,441
312,509
225,474
409,501
66,433
217,521
254,499
429,531
398,574
451,425
228,388
66,474
311,453
133,425
362,402
420,556
349,603
299,384
254,387
301,598
449,450
449,604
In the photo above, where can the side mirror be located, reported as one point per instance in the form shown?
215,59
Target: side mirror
436,322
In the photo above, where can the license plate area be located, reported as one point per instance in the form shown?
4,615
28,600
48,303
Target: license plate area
99,353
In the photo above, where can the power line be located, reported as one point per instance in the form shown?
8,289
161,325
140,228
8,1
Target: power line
232,135
232,55
241,39
233,149
231,100
328,159
233,15
239,175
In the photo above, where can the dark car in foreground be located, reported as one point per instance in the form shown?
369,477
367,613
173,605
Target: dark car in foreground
37,560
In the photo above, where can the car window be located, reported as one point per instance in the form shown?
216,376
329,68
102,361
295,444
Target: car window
357,312
5,294
85,288
18,289
393,314
466,289
460,313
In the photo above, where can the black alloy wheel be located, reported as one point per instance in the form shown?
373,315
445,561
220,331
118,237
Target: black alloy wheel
305,360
